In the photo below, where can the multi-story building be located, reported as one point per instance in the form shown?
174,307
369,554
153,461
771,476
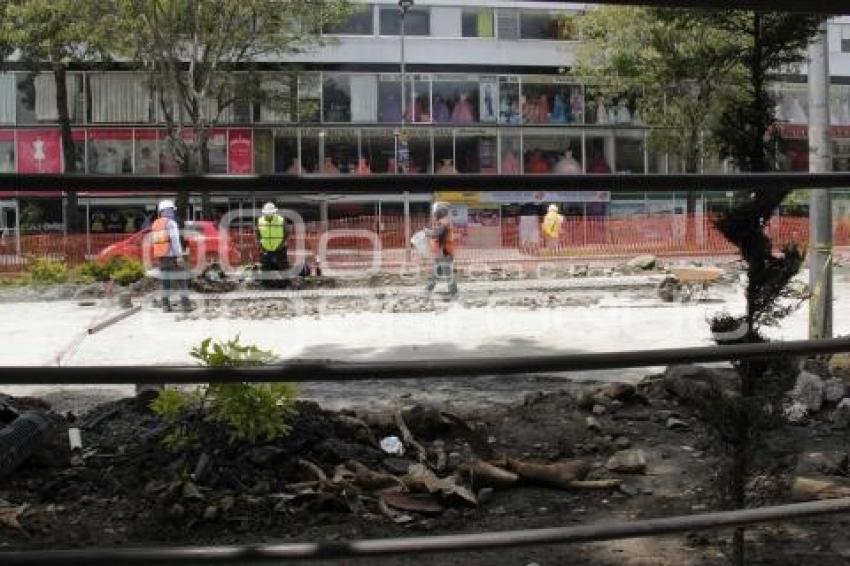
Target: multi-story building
488,91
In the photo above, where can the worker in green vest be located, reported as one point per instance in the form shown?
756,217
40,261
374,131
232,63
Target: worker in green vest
271,234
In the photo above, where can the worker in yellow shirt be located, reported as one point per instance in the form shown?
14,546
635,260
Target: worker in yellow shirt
271,235
552,224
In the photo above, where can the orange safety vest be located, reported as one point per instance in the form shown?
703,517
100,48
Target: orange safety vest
450,243
160,238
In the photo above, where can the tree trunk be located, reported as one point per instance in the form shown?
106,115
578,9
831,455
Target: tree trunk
691,166
69,150
202,162
758,156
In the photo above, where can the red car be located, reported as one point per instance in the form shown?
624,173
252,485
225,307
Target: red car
202,240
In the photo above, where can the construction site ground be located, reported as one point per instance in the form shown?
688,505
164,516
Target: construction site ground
109,499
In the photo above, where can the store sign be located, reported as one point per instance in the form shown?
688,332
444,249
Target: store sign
801,131
39,151
459,197
240,152
545,196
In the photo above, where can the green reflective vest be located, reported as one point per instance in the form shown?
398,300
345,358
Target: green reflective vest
271,231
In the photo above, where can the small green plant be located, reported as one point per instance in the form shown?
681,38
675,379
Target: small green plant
45,271
93,271
250,411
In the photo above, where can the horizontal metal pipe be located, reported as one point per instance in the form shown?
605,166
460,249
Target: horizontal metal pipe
798,6
328,370
418,183
420,545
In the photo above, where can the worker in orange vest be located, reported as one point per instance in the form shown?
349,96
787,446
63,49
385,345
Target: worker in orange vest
442,248
168,252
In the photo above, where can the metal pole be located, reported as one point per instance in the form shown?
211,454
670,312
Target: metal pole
820,208
472,542
403,138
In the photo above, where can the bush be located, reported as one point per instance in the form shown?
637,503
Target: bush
130,272
120,269
250,411
44,271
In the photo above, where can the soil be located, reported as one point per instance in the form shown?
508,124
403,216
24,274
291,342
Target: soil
126,489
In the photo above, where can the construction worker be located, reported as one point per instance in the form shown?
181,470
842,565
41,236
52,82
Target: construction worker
168,252
552,223
271,234
442,248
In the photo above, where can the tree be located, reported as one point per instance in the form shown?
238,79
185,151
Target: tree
190,49
50,35
680,72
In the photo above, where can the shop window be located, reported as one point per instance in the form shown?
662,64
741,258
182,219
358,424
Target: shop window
444,157
845,38
8,96
537,24
310,142
510,159
609,110
36,98
309,97
7,152
417,21
147,152
476,153
377,152
552,152
420,92
841,155
358,22
419,146
110,152
791,103
792,155
599,151
477,22
275,102
839,105
336,98
340,153
507,23
78,138
286,160
457,101
628,149
350,98
389,100
552,103
217,151
119,97
263,152
509,109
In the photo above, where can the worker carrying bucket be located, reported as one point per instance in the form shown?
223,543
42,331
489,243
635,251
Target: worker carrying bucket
168,252
271,235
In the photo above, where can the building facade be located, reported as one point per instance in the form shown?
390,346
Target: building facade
487,91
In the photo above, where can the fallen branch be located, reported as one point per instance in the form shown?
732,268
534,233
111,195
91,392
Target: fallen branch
484,474
408,440
314,470
560,474
595,484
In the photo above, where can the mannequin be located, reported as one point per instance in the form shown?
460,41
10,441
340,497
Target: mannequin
294,167
538,164
601,111
441,110
576,106
598,165
446,167
329,168
797,114
363,167
568,165
510,163
542,109
623,114
559,110
462,111
529,111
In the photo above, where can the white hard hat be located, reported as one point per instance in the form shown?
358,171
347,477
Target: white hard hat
163,204
269,209
439,208
553,208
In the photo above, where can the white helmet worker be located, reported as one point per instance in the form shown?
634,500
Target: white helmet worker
553,208
269,209
440,209
165,204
